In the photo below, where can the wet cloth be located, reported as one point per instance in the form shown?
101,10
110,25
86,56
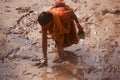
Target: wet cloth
63,28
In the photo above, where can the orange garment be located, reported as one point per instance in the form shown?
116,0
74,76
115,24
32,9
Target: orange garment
62,28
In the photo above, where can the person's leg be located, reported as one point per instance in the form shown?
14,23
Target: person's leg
60,50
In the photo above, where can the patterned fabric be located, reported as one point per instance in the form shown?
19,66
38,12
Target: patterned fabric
63,28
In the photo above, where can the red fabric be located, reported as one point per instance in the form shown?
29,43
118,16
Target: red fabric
59,4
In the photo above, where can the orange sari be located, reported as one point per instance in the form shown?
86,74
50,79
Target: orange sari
63,27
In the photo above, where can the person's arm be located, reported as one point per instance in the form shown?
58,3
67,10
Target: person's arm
76,20
44,41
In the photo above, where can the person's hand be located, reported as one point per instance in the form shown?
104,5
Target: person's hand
81,34
80,28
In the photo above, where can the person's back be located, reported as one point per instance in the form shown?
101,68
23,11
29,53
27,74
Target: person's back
62,10
62,13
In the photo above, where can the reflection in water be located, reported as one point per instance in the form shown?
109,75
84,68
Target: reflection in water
66,70
71,57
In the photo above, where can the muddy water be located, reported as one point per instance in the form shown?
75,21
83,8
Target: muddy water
94,58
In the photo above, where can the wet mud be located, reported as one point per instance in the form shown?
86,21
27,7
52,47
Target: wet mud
97,57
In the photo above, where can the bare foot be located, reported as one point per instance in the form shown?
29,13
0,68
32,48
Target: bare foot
60,59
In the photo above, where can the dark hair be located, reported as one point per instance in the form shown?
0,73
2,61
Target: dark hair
44,18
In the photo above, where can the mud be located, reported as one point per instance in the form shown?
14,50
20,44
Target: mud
97,57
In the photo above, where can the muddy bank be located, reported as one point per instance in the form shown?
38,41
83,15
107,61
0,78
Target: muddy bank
95,58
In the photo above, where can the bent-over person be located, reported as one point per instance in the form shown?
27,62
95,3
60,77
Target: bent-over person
61,23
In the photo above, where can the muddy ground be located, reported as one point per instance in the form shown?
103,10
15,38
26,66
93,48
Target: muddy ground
97,57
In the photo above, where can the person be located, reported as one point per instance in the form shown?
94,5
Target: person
61,23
